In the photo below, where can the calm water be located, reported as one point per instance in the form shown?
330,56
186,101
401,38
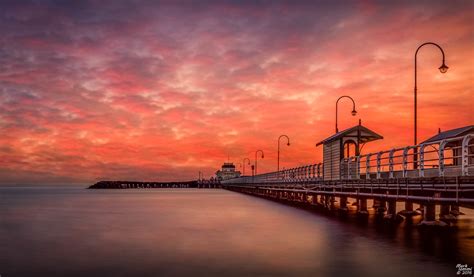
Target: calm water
78,232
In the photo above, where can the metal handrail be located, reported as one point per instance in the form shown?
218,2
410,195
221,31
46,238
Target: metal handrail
394,163
461,156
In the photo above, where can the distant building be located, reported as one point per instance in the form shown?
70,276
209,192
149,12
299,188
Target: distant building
227,172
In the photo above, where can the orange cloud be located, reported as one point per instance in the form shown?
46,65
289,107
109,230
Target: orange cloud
138,91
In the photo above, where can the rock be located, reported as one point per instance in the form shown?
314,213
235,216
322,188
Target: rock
435,223
448,217
408,213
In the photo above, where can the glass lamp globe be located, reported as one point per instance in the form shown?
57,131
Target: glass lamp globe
443,68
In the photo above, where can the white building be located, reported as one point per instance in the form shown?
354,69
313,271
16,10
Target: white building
227,172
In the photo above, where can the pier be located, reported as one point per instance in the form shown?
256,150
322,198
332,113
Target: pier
437,172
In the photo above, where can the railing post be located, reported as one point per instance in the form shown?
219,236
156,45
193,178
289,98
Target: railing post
421,168
379,156
390,163
465,155
405,161
367,166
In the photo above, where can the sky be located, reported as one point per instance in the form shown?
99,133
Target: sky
150,90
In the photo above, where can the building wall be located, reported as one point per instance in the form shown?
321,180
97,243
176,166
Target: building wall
331,160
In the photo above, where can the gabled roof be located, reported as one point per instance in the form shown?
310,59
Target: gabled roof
451,134
228,165
366,135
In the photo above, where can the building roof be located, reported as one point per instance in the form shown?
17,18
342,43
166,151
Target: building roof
228,165
365,136
451,134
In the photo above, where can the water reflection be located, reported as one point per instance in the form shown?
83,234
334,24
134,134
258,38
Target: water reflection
77,232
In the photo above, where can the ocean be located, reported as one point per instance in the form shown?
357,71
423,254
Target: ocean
72,231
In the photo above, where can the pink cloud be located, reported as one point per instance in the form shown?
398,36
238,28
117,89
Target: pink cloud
140,92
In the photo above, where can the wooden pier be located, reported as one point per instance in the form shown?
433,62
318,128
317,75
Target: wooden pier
449,193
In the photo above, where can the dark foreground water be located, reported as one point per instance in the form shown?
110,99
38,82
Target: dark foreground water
191,232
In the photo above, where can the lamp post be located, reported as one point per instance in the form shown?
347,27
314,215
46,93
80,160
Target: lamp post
443,69
200,175
354,112
243,162
256,152
288,143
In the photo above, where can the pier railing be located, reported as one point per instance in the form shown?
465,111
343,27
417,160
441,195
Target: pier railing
313,172
449,157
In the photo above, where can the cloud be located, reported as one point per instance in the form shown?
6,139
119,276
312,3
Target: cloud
160,91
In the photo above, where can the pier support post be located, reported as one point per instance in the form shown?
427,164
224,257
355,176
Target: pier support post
455,210
322,200
343,203
376,204
444,213
327,199
362,207
314,201
429,216
332,201
392,210
380,206
408,211
421,208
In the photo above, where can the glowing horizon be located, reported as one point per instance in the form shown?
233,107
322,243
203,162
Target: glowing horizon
162,91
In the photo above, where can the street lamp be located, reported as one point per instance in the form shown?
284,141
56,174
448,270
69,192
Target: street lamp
243,162
288,143
354,112
443,69
256,152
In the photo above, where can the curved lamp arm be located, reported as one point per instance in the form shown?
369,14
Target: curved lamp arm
354,112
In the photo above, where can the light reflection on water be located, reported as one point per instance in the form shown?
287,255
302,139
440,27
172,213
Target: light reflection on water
78,232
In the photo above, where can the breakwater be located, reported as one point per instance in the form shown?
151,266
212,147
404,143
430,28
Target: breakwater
154,185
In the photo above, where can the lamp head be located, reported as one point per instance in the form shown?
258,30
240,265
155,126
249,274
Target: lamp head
288,144
354,112
443,68
262,156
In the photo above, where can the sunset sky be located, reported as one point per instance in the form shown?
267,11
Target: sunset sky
146,90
